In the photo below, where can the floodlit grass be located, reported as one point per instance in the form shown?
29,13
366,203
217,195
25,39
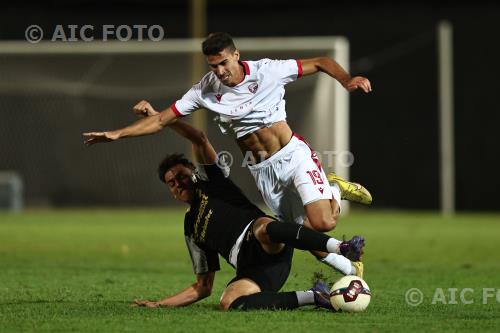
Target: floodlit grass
79,270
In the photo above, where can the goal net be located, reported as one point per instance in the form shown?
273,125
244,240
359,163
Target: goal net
50,93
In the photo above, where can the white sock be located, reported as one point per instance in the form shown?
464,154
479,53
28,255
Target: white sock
332,245
305,297
340,263
336,194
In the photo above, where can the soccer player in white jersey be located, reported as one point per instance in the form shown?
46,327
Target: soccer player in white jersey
248,98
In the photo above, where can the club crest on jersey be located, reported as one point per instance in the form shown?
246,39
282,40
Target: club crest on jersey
253,87
218,96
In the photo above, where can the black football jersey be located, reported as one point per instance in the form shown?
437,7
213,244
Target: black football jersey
216,218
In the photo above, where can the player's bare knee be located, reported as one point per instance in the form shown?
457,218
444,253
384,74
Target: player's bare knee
334,221
327,223
335,210
225,303
260,230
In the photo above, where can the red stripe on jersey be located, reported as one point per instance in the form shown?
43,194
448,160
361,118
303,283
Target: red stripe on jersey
299,67
301,139
247,68
314,155
176,111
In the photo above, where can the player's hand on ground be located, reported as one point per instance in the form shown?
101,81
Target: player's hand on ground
145,303
144,109
91,138
358,82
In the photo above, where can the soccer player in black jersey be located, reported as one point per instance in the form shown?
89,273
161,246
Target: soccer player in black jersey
222,221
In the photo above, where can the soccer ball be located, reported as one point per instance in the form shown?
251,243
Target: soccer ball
350,294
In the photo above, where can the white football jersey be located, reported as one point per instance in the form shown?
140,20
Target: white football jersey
254,103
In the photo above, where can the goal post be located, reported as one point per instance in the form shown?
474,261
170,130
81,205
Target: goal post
446,118
324,103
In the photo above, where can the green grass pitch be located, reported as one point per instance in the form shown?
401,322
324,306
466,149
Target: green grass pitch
78,270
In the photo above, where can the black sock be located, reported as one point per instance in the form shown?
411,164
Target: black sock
266,300
298,236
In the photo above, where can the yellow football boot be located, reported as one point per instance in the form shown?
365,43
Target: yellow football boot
358,266
350,191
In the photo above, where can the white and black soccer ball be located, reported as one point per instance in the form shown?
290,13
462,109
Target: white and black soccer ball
350,294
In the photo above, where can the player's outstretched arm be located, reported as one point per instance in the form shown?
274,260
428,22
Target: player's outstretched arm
203,151
144,126
332,68
202,288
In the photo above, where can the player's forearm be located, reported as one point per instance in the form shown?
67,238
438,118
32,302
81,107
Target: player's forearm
325,65
188,296
203,151
189,132
332,68
145,126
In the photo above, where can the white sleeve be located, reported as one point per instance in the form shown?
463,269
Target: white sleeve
190,102
285,71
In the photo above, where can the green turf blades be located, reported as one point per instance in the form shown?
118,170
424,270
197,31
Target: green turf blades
78,270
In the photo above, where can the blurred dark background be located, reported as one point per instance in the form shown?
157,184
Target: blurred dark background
394,130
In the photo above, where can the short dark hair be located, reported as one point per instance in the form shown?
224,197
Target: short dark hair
170,161
216,42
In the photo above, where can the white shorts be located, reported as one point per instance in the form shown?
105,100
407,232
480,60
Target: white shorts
290,179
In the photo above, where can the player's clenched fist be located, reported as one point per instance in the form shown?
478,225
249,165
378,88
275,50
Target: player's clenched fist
144,109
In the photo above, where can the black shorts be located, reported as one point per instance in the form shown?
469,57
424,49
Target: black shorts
269,271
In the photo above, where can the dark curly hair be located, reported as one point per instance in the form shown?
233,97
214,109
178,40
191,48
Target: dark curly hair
172,160
216,42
